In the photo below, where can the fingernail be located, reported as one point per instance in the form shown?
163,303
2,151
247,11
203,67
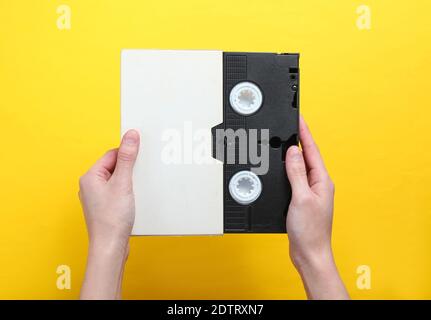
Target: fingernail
131,137
294,153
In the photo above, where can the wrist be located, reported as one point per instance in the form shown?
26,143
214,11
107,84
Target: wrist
115,247
319,275
105,265
318,261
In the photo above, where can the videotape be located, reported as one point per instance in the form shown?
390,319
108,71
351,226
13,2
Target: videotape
215,127
260,92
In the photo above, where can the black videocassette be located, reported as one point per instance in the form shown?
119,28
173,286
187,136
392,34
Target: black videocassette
273,81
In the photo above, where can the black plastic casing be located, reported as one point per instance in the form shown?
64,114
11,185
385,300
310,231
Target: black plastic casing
277,76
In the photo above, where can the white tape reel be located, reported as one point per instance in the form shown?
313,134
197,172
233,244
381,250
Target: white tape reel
245,98
245,187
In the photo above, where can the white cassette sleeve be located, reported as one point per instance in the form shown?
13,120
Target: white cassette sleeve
174,98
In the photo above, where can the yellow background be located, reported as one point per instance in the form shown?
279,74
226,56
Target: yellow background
365,93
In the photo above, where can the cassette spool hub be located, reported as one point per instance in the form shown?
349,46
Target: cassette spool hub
245,187
246,98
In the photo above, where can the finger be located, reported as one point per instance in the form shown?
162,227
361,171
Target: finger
126,156
296,171
314,162
104,167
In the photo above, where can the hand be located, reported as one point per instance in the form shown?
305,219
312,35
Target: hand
309,220
106,193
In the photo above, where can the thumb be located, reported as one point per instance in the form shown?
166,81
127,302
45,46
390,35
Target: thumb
126,156
296,171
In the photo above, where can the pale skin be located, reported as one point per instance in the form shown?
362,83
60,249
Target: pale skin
106,193
309,220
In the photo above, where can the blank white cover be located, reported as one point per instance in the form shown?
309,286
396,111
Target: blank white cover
162,90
